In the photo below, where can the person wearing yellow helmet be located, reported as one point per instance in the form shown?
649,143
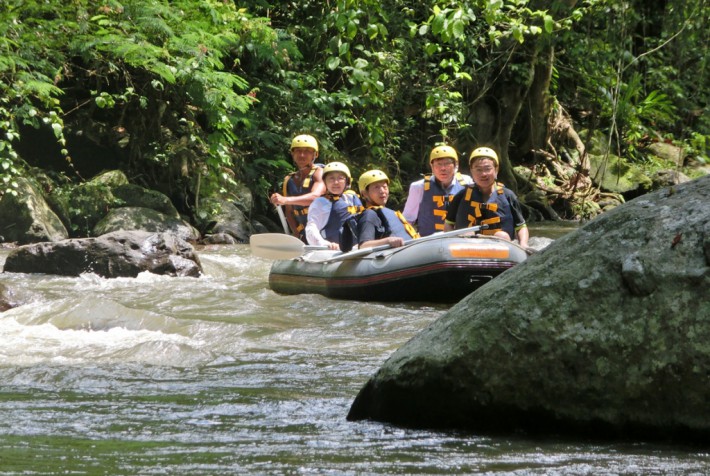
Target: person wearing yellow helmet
377,225
429,198
488,202
327,213
301,187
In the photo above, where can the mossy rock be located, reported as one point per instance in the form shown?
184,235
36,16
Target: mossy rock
87,204
25,216
144,219
136,196
613,174
110,178
668,152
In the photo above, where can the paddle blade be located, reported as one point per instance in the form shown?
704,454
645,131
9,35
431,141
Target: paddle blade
276,246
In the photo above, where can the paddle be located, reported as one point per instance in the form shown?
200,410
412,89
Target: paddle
282,217
367,251
279,246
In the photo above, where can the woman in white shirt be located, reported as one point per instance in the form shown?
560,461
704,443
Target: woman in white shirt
328,212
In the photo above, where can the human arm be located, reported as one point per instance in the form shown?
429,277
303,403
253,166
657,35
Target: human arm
414,198
521,228
523,234
318,215
369,226
392,241
306,199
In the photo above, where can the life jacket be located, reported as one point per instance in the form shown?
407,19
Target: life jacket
392,222
435,202
496,212
342,207
299,212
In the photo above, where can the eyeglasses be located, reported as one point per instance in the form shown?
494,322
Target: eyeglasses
483,170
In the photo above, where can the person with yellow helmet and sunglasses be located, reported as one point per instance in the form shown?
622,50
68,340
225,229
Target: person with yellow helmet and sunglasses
429,198
488,202
327,213
377,225
301,187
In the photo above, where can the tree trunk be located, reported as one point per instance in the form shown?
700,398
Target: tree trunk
532,130
493,117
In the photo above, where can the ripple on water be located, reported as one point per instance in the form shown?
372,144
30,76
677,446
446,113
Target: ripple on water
219,375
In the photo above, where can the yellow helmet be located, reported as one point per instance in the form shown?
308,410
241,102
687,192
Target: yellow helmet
304,140
443,151
370,177
337,167
484,152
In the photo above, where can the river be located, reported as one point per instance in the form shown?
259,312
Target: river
219,375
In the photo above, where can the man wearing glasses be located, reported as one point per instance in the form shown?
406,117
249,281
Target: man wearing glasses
429,198
488,202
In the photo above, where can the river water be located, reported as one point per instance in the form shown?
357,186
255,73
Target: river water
219,375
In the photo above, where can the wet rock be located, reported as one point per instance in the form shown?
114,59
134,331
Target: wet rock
219,239
229,220
117,254
6,298
25,217
603,333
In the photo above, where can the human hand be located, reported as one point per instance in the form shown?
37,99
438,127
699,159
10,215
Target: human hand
278,199
395,241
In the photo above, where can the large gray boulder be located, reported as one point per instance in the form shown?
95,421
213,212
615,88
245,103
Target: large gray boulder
605,332
146,219
113,255
229,220
136,196
25,217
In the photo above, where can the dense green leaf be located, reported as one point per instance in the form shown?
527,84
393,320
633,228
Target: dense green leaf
187,89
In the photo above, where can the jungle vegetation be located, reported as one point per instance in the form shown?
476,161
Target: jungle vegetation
189,97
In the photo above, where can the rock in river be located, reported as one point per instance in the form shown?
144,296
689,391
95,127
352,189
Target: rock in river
604,333
116,254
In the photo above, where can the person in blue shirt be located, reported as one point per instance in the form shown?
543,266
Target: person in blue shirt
378,225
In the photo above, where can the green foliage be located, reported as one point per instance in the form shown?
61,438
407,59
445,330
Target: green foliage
194,95
698,147
84,205
637,116
165,65
635,85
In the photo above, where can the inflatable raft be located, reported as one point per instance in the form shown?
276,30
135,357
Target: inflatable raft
431,269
